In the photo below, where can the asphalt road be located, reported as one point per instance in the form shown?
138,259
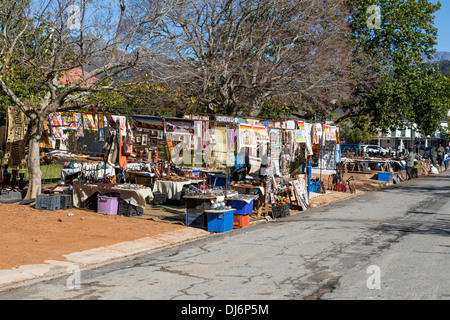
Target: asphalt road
388,244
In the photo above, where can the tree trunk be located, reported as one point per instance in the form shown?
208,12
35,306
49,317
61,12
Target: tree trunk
34,163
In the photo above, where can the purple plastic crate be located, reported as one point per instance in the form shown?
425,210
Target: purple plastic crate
107,205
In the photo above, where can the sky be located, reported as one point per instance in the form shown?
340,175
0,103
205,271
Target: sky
442,23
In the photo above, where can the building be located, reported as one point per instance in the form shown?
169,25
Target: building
409,137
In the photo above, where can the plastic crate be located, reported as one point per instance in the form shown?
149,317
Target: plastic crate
48,202
159,198
384,176
195,219
242,207
66,201
129,210
241,221
220,221
107,205
91,203
280,211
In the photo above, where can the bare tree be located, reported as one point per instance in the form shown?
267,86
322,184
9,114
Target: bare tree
237,55
45,39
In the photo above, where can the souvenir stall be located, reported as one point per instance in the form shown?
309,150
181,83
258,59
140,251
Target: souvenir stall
244,166
94,148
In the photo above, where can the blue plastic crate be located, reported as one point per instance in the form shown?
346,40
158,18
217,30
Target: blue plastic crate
384,176
220,221
241,207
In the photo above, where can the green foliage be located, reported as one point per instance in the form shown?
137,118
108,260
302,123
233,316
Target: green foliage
354,134
406,93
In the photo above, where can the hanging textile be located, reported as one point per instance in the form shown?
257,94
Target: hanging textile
16,141
308,134
101,127
122,157
121,120
79,132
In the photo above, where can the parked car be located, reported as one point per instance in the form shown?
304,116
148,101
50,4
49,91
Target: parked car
351,148
373,149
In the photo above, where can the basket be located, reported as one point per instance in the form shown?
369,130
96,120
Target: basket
280,211
129,210
48,202
66,201
159,198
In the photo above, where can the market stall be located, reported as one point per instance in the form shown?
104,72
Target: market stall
252,163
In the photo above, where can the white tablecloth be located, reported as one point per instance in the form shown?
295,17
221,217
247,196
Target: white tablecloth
172,189
136,197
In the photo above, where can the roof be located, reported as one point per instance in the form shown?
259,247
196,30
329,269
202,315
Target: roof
75,74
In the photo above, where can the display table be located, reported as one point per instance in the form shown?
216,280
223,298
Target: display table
173,189
136,197
140,177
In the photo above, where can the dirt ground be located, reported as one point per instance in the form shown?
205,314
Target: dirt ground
31,236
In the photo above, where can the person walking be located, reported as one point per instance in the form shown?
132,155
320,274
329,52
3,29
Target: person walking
410,163
440,154
433,155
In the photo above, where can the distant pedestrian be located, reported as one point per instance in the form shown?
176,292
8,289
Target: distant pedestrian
410,158
440,154
433,155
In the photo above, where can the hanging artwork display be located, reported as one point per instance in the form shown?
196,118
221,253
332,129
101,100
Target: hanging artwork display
247,136
183,127
300,192
327,159
261,133
68,121
90,121
275,150
101,127
56,127
300,136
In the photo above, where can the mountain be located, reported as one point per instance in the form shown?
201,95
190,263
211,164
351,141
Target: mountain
439,56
